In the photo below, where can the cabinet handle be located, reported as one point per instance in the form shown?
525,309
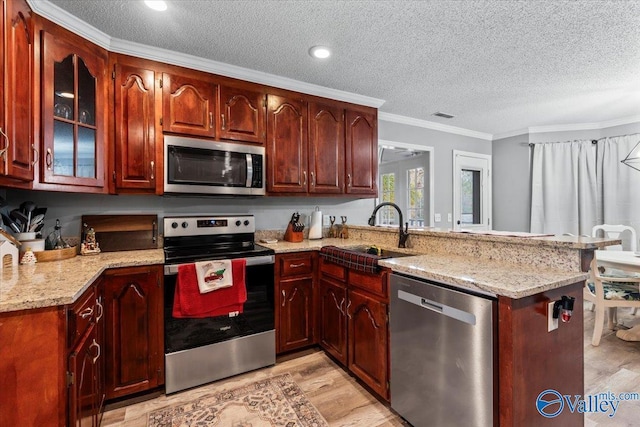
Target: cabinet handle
304,174
86,313
210,120
338,306
3,152
94,343
313,179
348,305
49,159
224,123
36,155
348,180
284,298
153,170
296,265
101,311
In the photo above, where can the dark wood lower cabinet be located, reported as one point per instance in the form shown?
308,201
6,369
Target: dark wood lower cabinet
369,341
354,323
85,391
134,343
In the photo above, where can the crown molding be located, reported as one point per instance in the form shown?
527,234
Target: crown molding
395,118
571,127
63,18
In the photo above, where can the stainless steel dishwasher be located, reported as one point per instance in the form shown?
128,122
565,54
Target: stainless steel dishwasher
442,354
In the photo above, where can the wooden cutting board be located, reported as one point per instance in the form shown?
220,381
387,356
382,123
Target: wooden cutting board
124,232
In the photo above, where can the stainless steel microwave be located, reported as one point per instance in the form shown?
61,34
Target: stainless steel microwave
196,166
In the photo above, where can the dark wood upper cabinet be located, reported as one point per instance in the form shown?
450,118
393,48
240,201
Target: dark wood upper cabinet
326,148
287,145
134,322
136,136
361,152
17,150
188,105
74,112
242,115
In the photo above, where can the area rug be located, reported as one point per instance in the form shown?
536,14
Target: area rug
275,401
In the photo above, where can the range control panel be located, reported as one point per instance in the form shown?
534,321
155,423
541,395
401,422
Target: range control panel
179,226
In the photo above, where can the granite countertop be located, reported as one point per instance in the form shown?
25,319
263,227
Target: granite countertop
486,276
314,245
54,283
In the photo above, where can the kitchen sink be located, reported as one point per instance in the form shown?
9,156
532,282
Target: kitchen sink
384,253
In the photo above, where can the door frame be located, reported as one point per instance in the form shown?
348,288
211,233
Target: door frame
486,190
408,146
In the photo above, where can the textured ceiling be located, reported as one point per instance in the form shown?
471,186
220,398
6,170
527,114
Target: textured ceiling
498,66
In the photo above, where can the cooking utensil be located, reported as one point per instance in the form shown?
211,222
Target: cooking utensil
9,223
19,218
35,221
27,208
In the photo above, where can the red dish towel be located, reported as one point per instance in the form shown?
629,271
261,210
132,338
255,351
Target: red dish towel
189,302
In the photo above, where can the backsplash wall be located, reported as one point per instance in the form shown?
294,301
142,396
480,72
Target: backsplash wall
272,213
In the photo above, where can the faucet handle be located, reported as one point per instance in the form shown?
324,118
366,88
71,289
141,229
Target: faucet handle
406,228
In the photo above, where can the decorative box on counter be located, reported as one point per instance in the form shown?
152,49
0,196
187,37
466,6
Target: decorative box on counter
124,232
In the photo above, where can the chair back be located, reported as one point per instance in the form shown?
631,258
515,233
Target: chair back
615,232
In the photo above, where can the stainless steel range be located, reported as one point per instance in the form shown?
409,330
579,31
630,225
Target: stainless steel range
201,350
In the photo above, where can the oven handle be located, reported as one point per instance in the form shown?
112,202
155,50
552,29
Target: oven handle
172,270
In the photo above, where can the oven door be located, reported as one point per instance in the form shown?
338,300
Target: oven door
258,314
212,167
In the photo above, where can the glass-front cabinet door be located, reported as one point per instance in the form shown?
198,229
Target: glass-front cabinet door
73,114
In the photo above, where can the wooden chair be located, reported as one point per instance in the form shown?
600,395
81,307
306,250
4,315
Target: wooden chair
609,292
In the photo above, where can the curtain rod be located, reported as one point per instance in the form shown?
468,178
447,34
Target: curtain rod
531,144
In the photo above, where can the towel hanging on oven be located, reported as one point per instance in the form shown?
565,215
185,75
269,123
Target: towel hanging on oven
214,275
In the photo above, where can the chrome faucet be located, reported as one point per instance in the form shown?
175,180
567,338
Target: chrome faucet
403,234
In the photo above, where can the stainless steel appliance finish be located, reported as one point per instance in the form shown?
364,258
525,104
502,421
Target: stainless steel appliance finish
442,354
194,166
201,350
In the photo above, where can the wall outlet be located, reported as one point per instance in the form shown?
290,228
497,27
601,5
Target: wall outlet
552,324
449,217
437,217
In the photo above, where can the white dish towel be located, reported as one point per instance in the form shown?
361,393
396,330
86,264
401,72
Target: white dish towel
213,275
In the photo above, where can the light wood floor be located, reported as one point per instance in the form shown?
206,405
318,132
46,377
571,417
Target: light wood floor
613,366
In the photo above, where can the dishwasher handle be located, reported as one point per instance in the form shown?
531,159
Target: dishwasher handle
437,307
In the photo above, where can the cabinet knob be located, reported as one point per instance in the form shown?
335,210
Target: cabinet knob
36,155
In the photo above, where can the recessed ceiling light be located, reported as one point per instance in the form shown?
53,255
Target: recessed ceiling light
158,5
320,52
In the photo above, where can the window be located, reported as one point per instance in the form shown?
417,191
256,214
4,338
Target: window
387,213
415,197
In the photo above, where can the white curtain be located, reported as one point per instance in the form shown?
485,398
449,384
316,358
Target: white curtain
564,188
618,184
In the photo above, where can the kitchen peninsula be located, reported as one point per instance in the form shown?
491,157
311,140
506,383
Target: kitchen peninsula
523,273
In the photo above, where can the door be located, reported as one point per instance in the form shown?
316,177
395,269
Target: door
295,327
333,321
16,135
242,115
135,119
133,300
361,155
287,141
188,105
471,191
83,376
326,149
368,341
73,113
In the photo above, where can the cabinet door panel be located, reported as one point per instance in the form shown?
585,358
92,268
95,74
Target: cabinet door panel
73,130
362,153
286,145
135,346
84,394
326,149
18,90
242,115
368,341
188,105
296,314
333,321
135,137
